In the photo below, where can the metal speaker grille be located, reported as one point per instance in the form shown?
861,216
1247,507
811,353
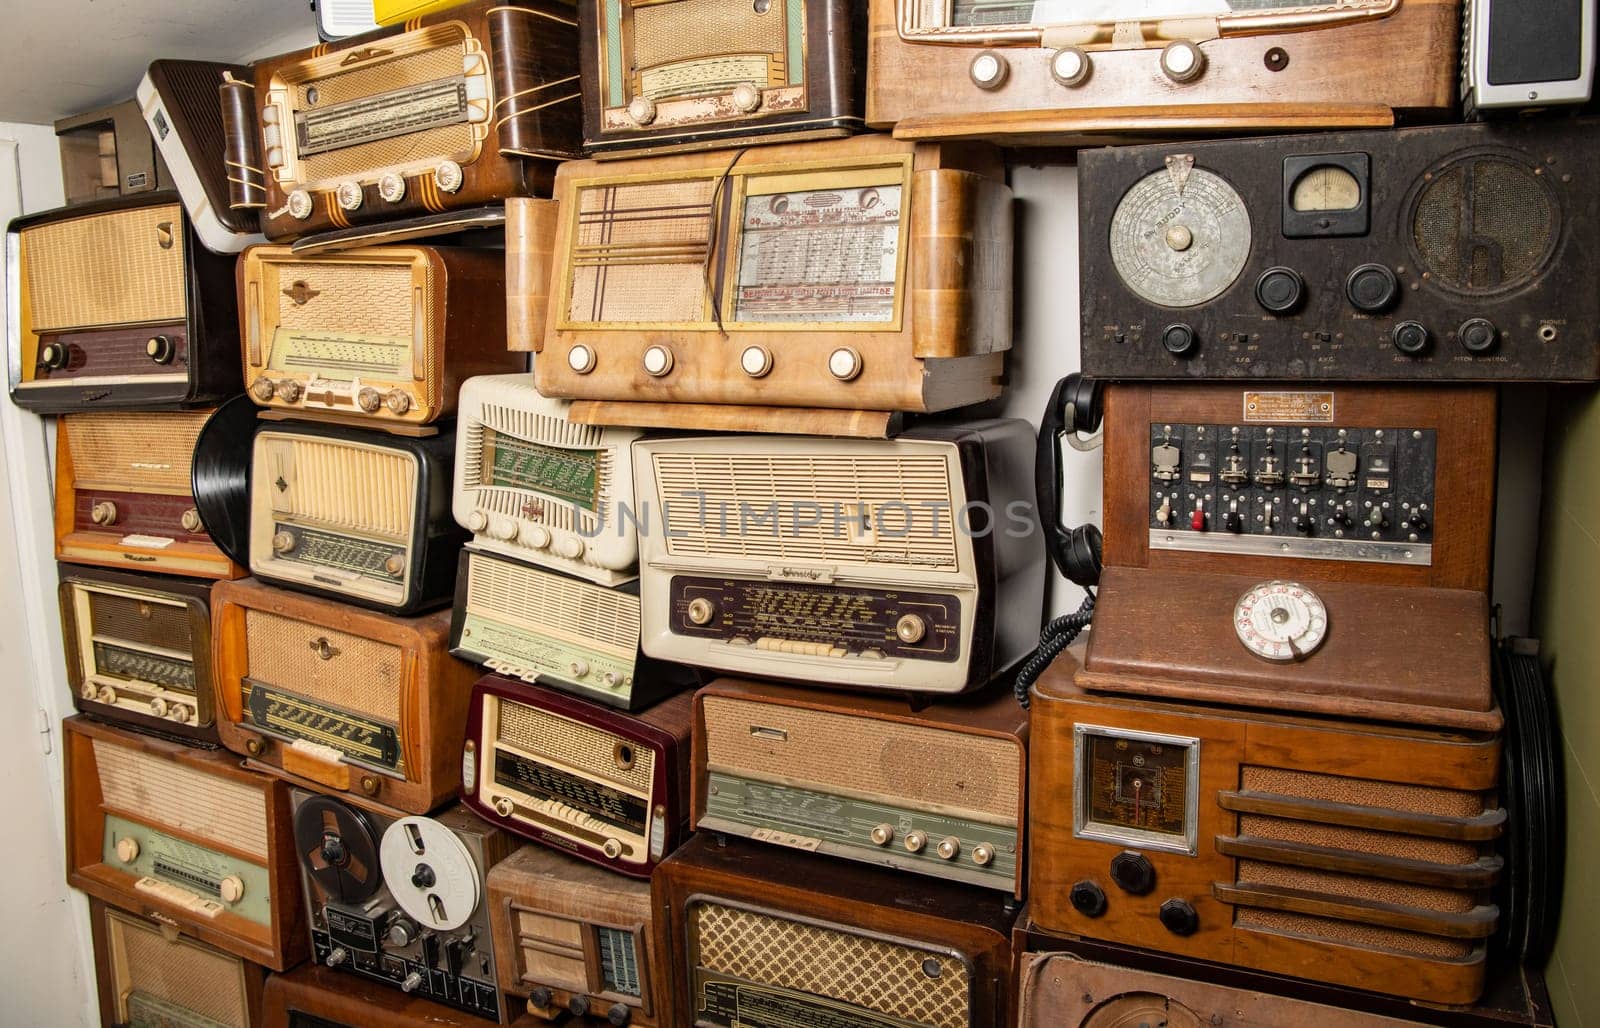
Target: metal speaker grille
1484,223
166,794
185,973
134,619
106,269
361,674
581,747
883,976
135,452
554,606
699,29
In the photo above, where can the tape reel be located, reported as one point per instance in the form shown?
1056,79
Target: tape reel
220,476
1134,1009
430,872
338,848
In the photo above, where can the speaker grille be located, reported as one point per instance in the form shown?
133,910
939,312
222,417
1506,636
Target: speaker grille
105,269
368,489
639,252
554,606
147,620
137,452
1484,223
581,747
184,973
1361,936
166,794
363,674
697,29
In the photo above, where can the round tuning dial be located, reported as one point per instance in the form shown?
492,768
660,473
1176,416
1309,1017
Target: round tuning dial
756,361
618,1014
536,536
127,849
504,807
1179,917
262,389
503,529
642,110
989,70
55,356
180,713
1070,66
231,889
369,399
1182,61
1133,872
190,520
949,848
392,187
283,542
1280,290
290,391
1179,340
746,97
538,999
300,205
570,547
1087,898
1411,338
657,360
578,1006
103,513
612,848
916,841
448,176
701,611
398,401
579,668
883,834
581,359
350,195
1372,288
1478,335
395,565
911,629
845,363
160,349
477,521
158,707
1281,621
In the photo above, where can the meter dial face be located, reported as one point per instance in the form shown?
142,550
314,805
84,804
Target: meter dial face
1326,188
1180,237
1281,621
1136,788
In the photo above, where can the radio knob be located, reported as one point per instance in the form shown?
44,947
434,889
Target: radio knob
1478,335
1182,61
619,1015
392,187
536,536
127,849
1179,340
55,356
289,390
579,668
570,547
578,1006
231,889
983,854
395,565
88,691
1179,917
190,520
746,97
915,841
160,349
844,363
283,542
1372,288
103,513
158,707
1088,899
412,982
1133,872
349,195
539,998
300,205
338,956
503,528
612,678
701,611
657,360
611,848
1411,338
883,834
106,694
477,521
504,807
262,389
910,629
180,713
369,399
403,932
1070,66
398,401
448,176
642,110
989,70
949,847
1280,290
581,359
756,361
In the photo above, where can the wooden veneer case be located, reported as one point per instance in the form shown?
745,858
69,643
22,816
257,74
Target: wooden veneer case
1340,851
756,932
1214,490
186,836
340,699
1014,73
572,938
149,974
449,110
689,291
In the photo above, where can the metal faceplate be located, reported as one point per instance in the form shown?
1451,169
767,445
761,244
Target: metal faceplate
1181,236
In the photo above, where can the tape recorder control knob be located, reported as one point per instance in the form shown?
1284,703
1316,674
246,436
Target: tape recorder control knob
911,629
1478,335
262,389
1280,290
536,536
1411,338
1182,61
1179,340
54,356
103,513
701,611
338,956
231,889
369,399
402,932
949,848
160,349
127,849
190,520
412,983
1372,288
916,841
883,834
1133,872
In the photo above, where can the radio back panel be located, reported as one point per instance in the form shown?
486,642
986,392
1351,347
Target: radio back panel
1454,252
380,336
117,305
609,787
148,974
453,109
352,701
869,563
185,835
702,74
533,485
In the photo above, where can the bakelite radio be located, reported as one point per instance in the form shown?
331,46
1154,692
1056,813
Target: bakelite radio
604,785
185,836
149,974
348,700
1069,73
813,287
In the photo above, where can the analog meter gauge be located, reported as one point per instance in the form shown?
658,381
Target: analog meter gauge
1326,187
1281,621
1180,237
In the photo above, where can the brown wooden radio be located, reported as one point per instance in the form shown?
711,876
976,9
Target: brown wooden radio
1320,549
449,110
338,698
185,836
1026,73
755,933
148,973
107,153
124,494
683,295
1340,851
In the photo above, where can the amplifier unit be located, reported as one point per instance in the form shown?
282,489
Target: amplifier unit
575,939
532,485
691,291
124,494
765,938
185,836
1453,252
697,74
313,996
450,110
1324,550
323,693
1028,73
149,974
179,102
139,650
400,900
1521,54
610,787
1340,851
107,153
939,791
871,564
116,304
354,515
381,336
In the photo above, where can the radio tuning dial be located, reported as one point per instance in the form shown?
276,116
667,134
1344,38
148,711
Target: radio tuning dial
657,360
54,356
1372,288
983,854
395,565
88,691
262,389
103,513
1179,340
845,363
160,349
190,520
300,205
578,1006
1182,61
701,611
1478,335
536,536
504,807
746,97
619,1015
1280,290
579,668
883,834
1133,872
1411,338
570,547
989,70
289,391
398,401
477,521
349,195
642,110
158,707
949,848
392,187
1179,917
448,176
910,629
369,399
611,848
916,841
106,694
581,359
756,361
503,528
283,542
1070,66
180,713
231,889
127,849
1087,898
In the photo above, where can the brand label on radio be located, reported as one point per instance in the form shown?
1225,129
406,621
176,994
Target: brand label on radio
361,740
732,1003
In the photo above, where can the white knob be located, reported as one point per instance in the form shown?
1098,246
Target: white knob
300,205
503,528
103,513
504,807
536,536
844,363
338,956
701,611
642,110
756,361
915,841
392,187
612,848
349,195
1182,61
158,707
369,399
191,520
477,521
570,547
231,888
989,70
581,359
579,668
127,849
180,713
746,97
448,176
657,360
1069,66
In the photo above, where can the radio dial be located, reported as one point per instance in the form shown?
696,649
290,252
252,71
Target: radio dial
1087,898
910,629
989,70
289,390
349,195
88,691
1070,66
844,363
642,110
619,1015
448,176
949,847
916,841
701,611
180,713
536,536
657,360
579,668
190,520
1179,340
160,349
300,205
1179,917
127,849
395,565
1133,872
1372,288
231,889
756,361
538,999
1411,338
106,694
581,359
338,956
883,834
55,356
1182,61
983,854
1280,290
578,1006
412,982
504,807
402,932
1478,335
103,513
611,848
369,399
283,542
570,547
262,389
158,707
398,401
392,187
746,97
477,521
503,528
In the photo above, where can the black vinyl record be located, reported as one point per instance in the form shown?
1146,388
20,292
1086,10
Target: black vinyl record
220,476
1532,790
338,848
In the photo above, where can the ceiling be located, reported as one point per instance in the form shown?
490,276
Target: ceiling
61,57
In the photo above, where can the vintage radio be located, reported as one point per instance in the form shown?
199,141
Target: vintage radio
1067,73
532,485
1454,252
148,974
764,937
312,996
139,650
453,109
939,791
692,75
185,836
107,153
865,276
1323,550
1342,851
609,787
871,564
117,304
552,629
573,938
124,496
400,900
357,516
382,336
178,100
323,693
1519,54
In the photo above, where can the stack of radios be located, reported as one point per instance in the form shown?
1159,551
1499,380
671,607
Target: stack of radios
309,491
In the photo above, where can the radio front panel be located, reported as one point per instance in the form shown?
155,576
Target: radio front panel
148,974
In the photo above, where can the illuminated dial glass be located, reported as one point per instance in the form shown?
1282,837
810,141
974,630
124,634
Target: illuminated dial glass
1281,621
1136,788
1326,188
1078,12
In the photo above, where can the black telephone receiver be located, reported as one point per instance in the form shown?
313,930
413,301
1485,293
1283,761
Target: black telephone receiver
1075,406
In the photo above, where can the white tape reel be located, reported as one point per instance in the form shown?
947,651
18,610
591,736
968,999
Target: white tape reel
430,872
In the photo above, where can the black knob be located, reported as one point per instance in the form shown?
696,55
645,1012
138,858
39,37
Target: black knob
1478,335
540,997
160,349
1233,522
578,1006
1341,516
1417,521
1372,288
1179,917
1133,872
333,851
1411,338
1280,290
619,1014
1088,899
55,355
1179,340
1302,524
423,877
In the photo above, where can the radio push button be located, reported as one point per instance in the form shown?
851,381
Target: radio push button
883,834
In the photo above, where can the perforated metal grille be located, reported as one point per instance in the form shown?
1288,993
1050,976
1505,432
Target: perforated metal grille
1484,223
361,675
337,484
553,606
106,269
138,452
575,744
184,973
693,29
639,253
136,619
165,793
